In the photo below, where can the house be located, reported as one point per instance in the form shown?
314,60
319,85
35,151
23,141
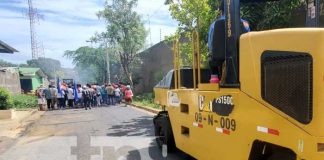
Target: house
31,79
9,79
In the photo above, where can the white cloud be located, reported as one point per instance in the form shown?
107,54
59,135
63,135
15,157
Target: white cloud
68,24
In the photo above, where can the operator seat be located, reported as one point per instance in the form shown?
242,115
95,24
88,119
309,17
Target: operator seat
218,46
217,56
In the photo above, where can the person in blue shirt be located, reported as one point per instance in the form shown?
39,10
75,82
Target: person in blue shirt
217,55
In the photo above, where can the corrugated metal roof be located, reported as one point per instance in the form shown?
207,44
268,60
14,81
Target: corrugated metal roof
5,48
31,72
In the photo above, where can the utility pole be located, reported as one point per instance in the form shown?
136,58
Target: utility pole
150,30
108,63
160,34
33,17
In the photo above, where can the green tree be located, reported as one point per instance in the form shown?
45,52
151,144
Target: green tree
125,31
91,63
193,15
199,14
275,14
48,65
90,59
7,64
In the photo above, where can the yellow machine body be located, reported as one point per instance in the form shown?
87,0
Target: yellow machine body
207,135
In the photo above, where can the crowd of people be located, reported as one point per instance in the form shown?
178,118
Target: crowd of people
78,96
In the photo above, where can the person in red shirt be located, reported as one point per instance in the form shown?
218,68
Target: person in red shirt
128,95
123,88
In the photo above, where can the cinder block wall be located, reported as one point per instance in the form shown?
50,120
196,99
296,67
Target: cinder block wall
10,80
157,61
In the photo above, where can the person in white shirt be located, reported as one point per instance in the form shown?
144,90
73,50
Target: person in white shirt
80,98
70,96
99,96
117,95
61,101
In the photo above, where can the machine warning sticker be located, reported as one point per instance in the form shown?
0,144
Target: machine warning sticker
173,99
222,106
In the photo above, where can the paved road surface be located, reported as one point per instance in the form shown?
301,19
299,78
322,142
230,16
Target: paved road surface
104,133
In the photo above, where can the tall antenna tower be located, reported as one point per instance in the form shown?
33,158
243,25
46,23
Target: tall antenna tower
34,17
40,50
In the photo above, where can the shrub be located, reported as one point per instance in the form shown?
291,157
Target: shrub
146,99
24,101
5,99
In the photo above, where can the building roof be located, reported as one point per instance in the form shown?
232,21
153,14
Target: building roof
5,48
31,72
8,69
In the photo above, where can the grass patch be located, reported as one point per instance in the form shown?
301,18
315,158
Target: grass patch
145,100
21,102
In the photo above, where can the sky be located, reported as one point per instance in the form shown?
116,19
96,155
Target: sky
68,24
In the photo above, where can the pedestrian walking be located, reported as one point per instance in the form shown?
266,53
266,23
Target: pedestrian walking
111,94
53,91
104,94
65,90
86,95
80,99
123,89
99,97
94,96
117,95
70,96
128,95
61,101
48,97
41,98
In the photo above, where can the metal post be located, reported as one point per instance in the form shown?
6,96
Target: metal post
150,30
108,63
175,70
194,59
179,64
198,57
232,24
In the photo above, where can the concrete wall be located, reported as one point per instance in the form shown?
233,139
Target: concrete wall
9,79
157,62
